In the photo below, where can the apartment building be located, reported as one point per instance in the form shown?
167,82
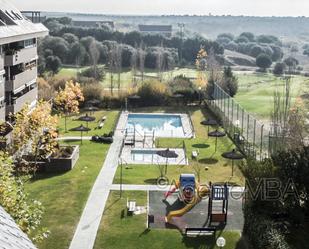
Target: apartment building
18,59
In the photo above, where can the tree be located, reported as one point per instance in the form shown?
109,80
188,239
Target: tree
160,62
26,212
53,64
141,58
306,52
70,38
118,54
248,35
263,61
279,68
229,82
292,63
33,134
58,45
94,55
68,99
201,65
134,66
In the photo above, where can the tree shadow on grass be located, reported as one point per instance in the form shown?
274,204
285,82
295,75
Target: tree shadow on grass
145,232
151,181
201,146
42,176
208,160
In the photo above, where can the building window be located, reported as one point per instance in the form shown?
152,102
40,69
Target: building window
29,43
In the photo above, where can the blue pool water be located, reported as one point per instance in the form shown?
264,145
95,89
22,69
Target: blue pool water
150,156
162,125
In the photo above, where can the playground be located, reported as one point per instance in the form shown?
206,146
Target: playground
197,217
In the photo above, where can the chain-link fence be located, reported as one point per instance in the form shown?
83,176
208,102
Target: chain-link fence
250,135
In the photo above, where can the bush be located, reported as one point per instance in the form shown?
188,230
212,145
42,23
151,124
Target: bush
152,93
183,85
97,73
92,91
263,232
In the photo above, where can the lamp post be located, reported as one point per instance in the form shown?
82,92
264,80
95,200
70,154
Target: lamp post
199,94
220,242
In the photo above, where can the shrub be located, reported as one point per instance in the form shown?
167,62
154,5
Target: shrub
92,91
263,232
96,72
152,93
183,85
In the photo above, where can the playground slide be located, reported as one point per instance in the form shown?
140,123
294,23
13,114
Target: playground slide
181,212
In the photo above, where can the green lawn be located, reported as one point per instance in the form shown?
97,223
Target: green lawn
126,75
219,169
256,91
130,232
111,117
64,195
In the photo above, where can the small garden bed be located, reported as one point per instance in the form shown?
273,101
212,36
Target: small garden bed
65,160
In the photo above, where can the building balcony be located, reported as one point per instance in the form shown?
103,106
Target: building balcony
21,80
1,62
15,57
2,113
18,103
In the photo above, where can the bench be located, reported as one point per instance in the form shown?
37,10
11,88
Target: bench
205,231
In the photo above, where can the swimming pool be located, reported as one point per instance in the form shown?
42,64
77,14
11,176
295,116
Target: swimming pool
162,125
150,156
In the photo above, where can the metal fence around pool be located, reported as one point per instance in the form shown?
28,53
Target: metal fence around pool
249,134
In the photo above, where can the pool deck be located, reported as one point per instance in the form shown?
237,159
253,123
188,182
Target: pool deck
129,158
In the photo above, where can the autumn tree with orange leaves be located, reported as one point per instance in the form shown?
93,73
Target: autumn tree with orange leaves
35,132
68,99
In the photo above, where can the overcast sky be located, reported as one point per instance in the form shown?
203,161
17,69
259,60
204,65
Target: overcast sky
199,7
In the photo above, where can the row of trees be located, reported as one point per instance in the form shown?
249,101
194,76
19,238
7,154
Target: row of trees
249,44
86,46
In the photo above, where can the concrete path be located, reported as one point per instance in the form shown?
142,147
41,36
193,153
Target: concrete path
73,138
132,187
86,231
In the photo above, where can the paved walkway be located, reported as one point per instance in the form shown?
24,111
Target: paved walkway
86,231
140,187
73,138
160,188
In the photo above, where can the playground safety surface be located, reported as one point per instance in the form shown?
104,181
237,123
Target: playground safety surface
197,217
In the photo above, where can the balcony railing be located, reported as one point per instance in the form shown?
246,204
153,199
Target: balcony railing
21,79
27,98
1,62
15,57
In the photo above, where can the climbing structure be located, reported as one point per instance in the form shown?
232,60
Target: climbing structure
218,203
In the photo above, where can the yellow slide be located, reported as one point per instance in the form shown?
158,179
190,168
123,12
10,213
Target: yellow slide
201,192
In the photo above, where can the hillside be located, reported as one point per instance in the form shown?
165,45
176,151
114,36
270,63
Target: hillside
208,26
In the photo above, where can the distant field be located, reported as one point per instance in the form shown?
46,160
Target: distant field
255,89
126,77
